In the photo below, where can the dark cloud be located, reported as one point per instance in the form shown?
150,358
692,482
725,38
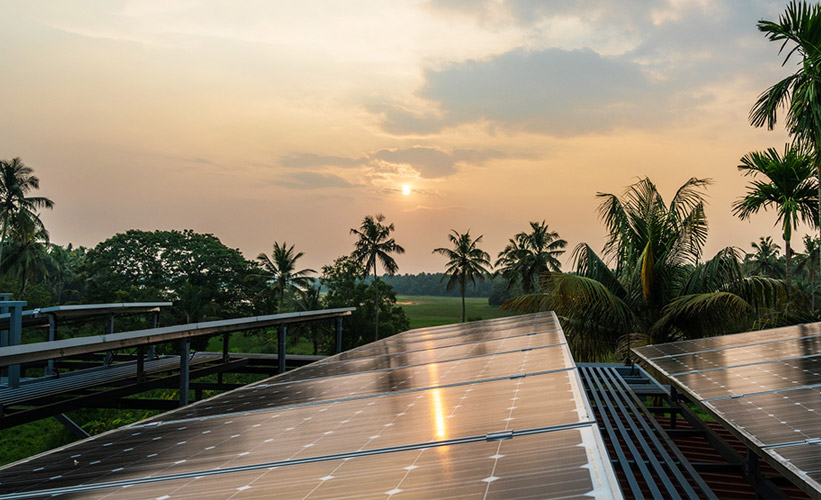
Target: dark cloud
681,51
299,160
313,180
555,91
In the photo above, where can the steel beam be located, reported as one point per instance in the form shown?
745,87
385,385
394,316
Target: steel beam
338,334
185,347
281,349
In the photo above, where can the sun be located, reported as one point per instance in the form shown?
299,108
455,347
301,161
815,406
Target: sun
406,190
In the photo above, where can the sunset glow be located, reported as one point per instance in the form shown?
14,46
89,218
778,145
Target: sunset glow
215,116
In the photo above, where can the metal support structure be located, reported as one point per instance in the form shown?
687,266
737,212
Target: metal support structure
15,309
185,347
52,336
140,363
69,424
4,334
281,348
338,334
225,356
155,323
109,357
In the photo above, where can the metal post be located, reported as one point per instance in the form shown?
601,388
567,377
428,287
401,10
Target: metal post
185,346
338,334
4,334
109,356
281,349
673,404
52,336
155,323
15,337
225,356
140,363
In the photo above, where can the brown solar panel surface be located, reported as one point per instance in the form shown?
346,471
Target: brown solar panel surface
491,414
765,386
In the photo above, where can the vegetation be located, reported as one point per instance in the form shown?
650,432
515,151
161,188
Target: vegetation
281,274
528,255
467,263
789,189
373,245
426,310
659,290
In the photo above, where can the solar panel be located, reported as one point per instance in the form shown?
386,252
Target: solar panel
764,386
496,422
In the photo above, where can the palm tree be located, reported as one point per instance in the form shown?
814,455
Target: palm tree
528,255
764,260
28,257
281,269
373,245
659,289
466,263
789,188
16,208
799,94
810,260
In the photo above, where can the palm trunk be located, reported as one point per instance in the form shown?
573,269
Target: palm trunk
5,226
789,272
376,289
812,286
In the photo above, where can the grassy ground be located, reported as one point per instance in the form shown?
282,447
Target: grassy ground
424,310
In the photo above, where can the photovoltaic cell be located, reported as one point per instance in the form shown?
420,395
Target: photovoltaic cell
262,396
764,385
729,341
312,431
769,351
413,417
751,379
551,465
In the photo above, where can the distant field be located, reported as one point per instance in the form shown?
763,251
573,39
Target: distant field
425,310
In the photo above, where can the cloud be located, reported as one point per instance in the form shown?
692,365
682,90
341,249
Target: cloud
299,160
429,162
313,180
554,91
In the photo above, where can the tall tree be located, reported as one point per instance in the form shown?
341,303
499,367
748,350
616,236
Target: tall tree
798,30
281,268
28,257
810,260
17,208
788,187
764,259
658,287
466,262
528,255
374,245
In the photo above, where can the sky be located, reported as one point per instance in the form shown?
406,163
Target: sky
263,121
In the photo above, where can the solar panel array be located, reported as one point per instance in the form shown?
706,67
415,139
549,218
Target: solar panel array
765,385
491,409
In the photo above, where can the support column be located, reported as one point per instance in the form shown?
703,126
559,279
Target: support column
281,349
155,323
52,336
185,346
109,357
4,334
338,334
140,363
225,356
15,337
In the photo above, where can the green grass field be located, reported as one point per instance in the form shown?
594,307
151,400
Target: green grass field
425,310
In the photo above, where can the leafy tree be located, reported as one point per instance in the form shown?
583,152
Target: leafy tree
659,288
373,245
311,300
810,260
282,273
18,211
466,262
160,265
346,287
64,278
764,259
799,94
528,255
788,188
